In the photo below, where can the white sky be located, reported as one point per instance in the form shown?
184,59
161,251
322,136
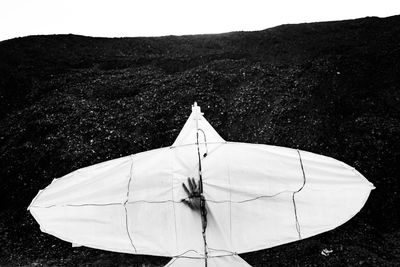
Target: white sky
120,18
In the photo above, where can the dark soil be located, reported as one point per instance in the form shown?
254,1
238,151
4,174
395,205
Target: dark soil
331,88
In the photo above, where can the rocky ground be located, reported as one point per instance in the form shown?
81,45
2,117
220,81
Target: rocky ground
331,88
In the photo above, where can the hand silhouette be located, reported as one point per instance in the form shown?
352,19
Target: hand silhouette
194,198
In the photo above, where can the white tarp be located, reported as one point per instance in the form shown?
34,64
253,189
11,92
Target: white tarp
258,196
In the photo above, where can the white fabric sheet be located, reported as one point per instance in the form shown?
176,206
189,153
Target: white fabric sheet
253,193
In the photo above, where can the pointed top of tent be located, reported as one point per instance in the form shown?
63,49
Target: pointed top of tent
196,108
196,122
196,111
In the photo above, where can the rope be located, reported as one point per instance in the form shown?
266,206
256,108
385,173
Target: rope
230,252
205,142
162,201
203,210
126,211
201,256
159,201
298,228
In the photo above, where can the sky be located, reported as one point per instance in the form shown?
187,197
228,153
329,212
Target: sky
129,18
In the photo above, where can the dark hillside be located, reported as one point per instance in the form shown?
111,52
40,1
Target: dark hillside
331,88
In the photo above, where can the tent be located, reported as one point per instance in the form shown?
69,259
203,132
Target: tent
256,197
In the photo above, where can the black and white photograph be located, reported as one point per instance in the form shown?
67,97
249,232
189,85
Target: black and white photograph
199,133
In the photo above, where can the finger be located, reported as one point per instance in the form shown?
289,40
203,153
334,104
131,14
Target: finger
189,184
192,185
186,190
197,186
196,183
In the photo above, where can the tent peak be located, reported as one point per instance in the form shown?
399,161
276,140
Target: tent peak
195,107
196,122
196,111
